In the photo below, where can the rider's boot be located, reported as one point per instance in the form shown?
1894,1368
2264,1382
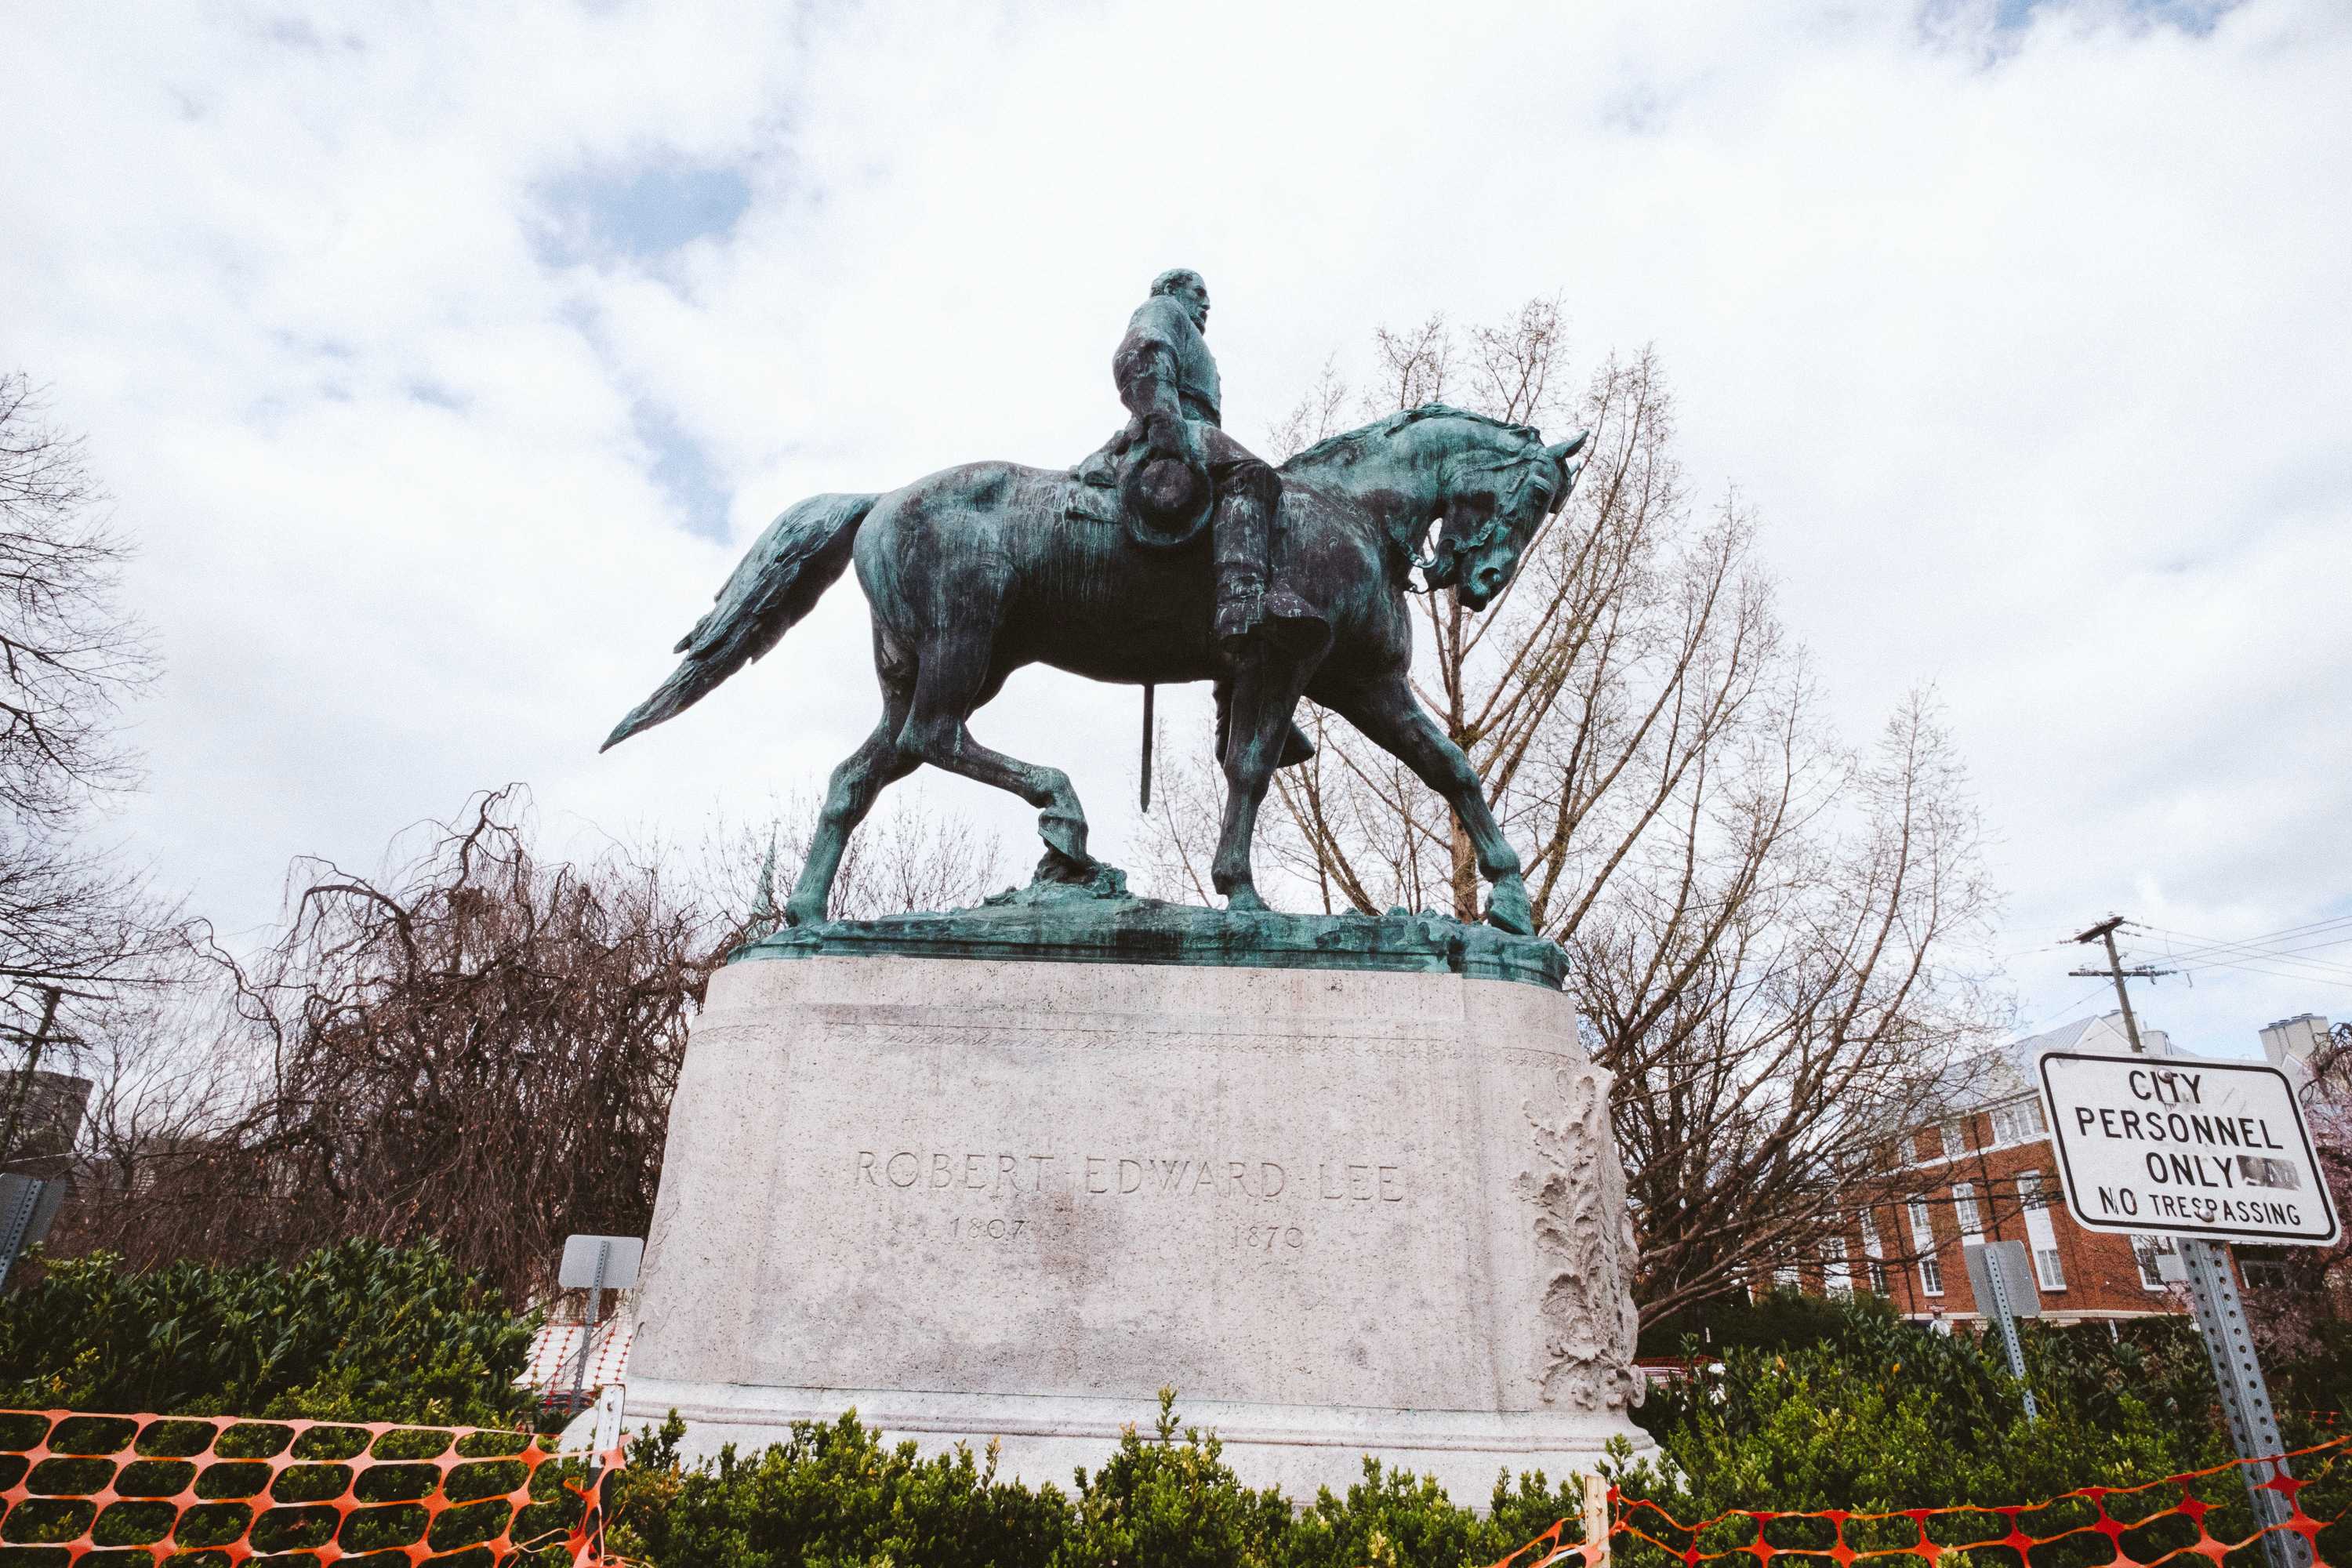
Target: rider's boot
1254,619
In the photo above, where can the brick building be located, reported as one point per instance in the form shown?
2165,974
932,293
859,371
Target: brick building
1989,1173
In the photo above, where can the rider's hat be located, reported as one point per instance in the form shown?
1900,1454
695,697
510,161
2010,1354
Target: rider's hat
1166,500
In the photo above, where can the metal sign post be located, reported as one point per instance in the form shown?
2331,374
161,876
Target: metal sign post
2201,1150
27,1204
588,1334
597,1263
1999,1273
2246,1398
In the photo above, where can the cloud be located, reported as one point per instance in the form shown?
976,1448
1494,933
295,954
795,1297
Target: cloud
444,363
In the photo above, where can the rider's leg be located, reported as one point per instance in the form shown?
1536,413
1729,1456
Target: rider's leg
1394,718
857,784
1251,607
955,676
1242,534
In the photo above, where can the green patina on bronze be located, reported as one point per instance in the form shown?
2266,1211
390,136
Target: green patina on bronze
1172,555
1100,922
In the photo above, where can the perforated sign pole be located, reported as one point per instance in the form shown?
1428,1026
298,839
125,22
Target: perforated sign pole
2246,1398
588,1336
2008,1321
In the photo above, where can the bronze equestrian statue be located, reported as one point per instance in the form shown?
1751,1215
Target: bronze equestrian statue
1297,589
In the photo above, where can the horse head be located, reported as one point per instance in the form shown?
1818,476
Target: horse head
1498,490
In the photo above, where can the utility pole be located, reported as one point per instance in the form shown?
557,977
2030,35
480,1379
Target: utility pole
2104,932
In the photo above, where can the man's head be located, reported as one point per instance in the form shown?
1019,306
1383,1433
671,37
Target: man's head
1183,285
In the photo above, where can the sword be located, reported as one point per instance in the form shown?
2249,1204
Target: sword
1147,690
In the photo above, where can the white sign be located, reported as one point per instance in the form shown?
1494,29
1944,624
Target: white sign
2186,1147
580,1268
2017,1279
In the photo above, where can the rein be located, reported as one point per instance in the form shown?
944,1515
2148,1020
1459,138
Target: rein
1439,567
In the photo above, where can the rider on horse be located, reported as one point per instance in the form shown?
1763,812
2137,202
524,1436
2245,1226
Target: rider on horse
1168,379
1175,457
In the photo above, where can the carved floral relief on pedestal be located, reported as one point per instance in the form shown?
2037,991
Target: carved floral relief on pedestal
1584,1237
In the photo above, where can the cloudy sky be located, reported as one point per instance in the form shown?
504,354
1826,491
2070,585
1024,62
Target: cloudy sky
443,359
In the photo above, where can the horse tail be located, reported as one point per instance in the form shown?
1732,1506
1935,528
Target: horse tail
779,581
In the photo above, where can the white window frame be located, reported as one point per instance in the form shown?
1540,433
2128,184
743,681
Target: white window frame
1965,1211
1931,1276
2017,1122
1837,1274
2049,1268
2040,1233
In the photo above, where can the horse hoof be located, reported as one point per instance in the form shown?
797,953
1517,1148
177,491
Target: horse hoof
1055,867
1244,900
1065,833
1507,907
799,914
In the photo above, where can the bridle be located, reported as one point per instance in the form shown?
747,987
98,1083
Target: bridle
1443,566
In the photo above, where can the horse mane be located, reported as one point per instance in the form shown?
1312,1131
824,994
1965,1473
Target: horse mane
1350,446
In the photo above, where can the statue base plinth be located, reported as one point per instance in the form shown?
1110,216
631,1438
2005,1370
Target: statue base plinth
1340,1210
1097,921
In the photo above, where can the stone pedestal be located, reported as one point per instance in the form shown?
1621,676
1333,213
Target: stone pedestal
1341,1211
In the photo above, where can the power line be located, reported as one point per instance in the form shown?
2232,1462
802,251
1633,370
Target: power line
2278,955
2282,974
2207,947
2088,997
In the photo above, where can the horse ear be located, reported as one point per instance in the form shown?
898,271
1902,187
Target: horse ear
1562,454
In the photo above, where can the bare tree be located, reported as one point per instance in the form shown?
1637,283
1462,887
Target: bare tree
76,924
477,1045
903,858
1770,935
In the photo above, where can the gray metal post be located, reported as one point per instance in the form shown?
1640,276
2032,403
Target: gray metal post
588,1336
20,1197
2246,1398
1997,1277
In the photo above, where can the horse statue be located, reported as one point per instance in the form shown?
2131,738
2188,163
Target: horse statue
976,570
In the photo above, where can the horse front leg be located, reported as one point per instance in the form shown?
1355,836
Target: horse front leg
1265,694
1392,717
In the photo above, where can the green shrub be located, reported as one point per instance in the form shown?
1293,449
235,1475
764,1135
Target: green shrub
354,1332
829,1494
835,1495
1784,1320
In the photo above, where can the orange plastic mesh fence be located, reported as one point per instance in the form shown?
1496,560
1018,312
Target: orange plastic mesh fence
110,1491
2159,1523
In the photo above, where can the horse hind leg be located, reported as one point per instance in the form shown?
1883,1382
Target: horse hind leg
857,784
939,731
